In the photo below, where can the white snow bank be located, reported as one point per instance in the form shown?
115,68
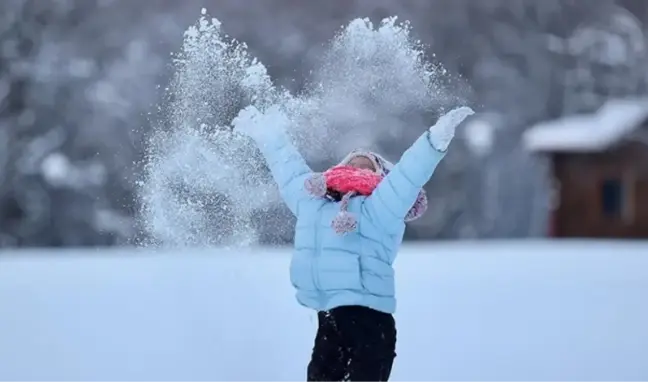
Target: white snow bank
589,132
484,311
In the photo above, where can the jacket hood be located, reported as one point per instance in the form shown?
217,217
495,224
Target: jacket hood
382,165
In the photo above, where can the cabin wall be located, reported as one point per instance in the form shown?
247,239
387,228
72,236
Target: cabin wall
603,194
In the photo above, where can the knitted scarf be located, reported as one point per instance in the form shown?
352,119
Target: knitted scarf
349,181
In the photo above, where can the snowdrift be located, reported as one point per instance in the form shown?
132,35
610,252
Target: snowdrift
467,311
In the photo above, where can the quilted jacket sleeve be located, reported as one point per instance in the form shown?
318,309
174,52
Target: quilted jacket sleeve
288,168
391,201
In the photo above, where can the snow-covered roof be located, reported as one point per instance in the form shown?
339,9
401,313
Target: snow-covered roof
589,132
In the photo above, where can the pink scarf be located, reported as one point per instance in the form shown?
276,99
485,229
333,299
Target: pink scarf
345,179
350,181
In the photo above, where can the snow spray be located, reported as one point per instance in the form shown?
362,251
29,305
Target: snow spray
205,185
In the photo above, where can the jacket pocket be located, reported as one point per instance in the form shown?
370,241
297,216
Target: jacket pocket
377,276
339,271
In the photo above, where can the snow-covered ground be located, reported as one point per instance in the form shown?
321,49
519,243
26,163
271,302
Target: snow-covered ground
467,311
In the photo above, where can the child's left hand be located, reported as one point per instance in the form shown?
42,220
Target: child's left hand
443,131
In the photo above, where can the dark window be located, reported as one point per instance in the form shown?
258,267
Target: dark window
612,198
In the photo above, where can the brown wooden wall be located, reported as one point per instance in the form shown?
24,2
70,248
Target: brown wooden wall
579,212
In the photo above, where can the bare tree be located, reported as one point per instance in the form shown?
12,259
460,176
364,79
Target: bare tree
74,88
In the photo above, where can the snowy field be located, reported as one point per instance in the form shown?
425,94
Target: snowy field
469,311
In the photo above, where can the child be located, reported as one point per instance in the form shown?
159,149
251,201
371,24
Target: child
350,225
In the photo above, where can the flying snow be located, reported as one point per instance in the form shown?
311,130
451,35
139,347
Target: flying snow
205,185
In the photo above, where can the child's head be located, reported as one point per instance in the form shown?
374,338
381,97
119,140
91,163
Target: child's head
367,160
363,162
342,182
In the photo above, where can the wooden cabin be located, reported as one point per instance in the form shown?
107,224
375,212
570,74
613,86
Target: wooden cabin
600,171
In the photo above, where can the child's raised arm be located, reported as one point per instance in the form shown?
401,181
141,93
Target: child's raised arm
288,168
393,198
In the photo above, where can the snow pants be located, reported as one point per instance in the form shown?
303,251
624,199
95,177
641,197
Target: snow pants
353,343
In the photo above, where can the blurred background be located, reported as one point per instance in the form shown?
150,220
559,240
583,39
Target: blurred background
558,147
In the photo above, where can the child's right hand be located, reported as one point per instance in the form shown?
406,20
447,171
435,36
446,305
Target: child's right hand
442,132
255,124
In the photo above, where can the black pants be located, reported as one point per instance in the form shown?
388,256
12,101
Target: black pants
353,343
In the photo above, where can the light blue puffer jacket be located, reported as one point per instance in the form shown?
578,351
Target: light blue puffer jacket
330,270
